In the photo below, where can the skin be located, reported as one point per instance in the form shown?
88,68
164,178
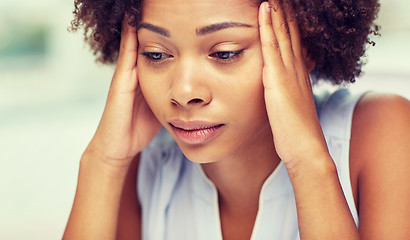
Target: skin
228,92
277,96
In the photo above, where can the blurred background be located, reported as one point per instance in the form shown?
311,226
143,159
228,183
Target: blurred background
52,94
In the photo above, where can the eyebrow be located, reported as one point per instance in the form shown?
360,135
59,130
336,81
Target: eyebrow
199,31
156,29
219,26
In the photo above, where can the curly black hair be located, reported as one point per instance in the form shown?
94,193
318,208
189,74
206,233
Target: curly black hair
335,32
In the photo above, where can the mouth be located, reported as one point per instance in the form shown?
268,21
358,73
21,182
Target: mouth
196,132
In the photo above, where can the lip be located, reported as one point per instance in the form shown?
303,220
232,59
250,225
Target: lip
196,132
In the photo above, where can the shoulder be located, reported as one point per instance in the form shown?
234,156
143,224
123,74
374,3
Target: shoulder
379,107
380,125
380,160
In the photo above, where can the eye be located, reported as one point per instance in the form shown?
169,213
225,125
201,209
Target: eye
226,56
156,57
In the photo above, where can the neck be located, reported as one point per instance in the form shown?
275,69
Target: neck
239,179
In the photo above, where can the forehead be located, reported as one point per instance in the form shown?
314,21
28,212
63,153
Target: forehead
194,13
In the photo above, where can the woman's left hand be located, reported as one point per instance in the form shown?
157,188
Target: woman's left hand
297,133
288,92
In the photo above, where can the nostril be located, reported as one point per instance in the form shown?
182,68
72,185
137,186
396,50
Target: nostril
195,101
173,102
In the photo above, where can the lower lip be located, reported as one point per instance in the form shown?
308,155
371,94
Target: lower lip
198,136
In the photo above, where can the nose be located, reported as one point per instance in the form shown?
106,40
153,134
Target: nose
190,87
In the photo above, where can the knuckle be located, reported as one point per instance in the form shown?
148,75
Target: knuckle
274,43
271,43
284,27
122,49
291,18
267,22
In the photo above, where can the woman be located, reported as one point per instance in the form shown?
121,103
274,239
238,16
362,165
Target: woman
230,82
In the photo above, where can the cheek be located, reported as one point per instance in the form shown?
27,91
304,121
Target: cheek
247,84
149,89
254,74
144,83
250,94
251,71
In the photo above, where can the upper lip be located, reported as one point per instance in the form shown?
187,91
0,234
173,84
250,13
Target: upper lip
193,125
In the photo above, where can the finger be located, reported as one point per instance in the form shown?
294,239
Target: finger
128,47
120,101
281,29
125,76
270,46
293,29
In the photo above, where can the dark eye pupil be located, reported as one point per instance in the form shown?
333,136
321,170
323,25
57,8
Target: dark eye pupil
156,56
224,55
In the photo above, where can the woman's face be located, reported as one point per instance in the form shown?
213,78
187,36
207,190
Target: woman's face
200,70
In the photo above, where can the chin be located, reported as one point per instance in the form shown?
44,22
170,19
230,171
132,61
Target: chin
201,154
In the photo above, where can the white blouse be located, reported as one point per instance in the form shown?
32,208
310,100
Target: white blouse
179,202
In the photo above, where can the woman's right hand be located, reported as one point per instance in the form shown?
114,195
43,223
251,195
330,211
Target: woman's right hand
127,125
106,196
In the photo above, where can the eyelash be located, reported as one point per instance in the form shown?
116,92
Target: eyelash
150,56
158,58
232,56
